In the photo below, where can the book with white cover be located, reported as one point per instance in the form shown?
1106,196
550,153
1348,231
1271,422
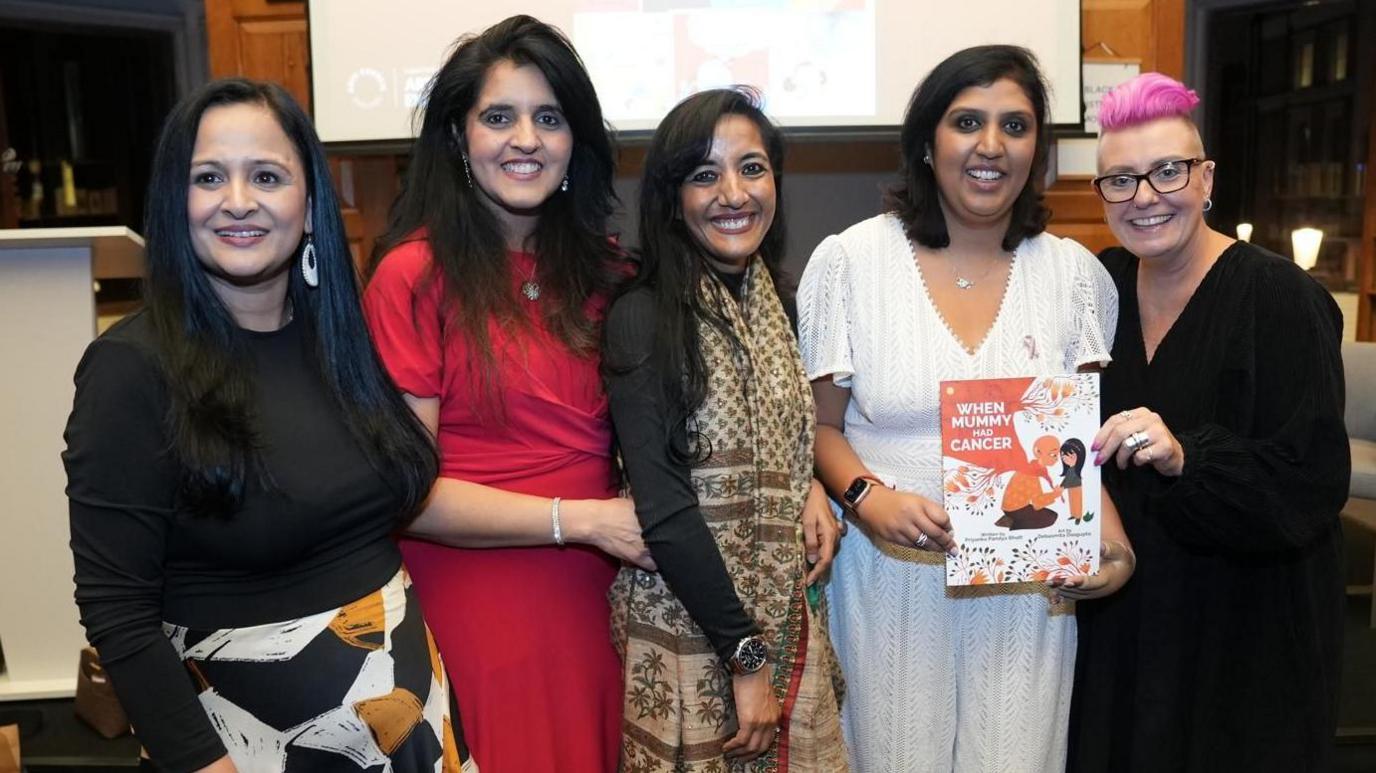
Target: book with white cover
1018,481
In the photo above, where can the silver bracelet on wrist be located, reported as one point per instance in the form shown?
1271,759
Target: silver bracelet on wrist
554,521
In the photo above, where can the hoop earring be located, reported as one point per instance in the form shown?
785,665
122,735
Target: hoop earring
467,174
310,269
1208,204
564,186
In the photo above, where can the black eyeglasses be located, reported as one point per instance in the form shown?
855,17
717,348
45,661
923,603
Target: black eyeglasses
1166,178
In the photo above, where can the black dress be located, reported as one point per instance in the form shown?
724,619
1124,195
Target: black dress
1222,652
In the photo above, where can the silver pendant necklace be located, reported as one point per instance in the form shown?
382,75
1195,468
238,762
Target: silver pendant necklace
964,282
531,288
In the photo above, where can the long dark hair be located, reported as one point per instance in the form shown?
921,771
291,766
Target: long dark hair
671,260
915,198
1073,446
466,239
203,352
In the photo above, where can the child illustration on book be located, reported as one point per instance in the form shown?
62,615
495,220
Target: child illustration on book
1073,457
1024,502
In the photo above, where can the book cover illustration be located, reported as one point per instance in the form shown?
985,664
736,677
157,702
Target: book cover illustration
1018,483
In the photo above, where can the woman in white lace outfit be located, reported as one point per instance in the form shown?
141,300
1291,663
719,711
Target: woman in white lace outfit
957,281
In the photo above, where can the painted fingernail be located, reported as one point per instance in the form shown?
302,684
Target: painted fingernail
1098,460
1094,446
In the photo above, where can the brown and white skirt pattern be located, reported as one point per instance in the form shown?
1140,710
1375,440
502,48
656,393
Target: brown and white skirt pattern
361,687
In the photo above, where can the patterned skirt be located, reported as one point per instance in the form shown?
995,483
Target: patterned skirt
360,687
679,704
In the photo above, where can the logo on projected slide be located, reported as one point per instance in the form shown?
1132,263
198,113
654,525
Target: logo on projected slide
367,88
414,80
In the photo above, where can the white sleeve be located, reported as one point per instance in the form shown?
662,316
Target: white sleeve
1094,302
824,314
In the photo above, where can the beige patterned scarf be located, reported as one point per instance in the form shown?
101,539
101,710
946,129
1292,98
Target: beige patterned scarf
758,421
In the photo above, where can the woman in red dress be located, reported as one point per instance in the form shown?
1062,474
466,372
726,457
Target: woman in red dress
486,307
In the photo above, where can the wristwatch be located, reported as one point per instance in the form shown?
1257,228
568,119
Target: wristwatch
858,490
750,656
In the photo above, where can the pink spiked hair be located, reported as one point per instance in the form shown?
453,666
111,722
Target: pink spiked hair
1147,97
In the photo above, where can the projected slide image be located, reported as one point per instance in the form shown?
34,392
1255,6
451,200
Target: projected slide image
799,53
817,63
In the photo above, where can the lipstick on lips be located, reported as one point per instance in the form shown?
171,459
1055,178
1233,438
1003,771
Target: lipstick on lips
522,168
734,223
241,236
984,175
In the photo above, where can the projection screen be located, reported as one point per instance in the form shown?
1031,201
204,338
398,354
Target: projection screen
820,63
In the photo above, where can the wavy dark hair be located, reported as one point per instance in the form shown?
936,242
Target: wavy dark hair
204,355
576,258
672,262
915,198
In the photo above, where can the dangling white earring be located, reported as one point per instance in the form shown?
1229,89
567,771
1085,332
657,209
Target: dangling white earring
310,270
564,186
1208,204
466,173
927,156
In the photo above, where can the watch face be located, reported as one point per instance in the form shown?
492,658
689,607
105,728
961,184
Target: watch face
856,489
751,655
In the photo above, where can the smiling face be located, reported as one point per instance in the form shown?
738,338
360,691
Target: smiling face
982,152
728,200
246,204
1157,225
518,144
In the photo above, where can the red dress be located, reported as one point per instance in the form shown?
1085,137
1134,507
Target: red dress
524,632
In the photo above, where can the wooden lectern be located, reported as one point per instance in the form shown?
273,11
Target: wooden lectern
47,317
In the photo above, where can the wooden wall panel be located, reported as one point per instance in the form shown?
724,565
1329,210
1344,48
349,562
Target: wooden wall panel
274,50
260,39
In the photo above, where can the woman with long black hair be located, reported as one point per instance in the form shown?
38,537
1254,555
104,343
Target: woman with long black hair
237,460
487,305
726,649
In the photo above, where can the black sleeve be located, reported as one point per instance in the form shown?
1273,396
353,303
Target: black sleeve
673,527
1282,484
120,488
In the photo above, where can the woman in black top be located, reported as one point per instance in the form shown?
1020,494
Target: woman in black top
714,419
237,460
1225,451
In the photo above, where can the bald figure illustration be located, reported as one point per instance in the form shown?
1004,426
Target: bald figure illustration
1024,501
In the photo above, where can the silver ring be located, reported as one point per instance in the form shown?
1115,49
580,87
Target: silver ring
921,540
1125,414
1137,441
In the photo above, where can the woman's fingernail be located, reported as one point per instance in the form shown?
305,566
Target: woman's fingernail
1094,446
1098,460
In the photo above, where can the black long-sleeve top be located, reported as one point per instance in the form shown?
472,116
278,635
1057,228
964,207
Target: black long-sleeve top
1222,652
319,540
673,527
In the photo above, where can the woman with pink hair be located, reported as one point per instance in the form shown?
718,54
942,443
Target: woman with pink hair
1225,452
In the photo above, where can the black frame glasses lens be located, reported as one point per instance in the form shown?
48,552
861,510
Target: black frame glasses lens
1177,183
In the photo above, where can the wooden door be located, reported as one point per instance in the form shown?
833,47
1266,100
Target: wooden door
261,39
